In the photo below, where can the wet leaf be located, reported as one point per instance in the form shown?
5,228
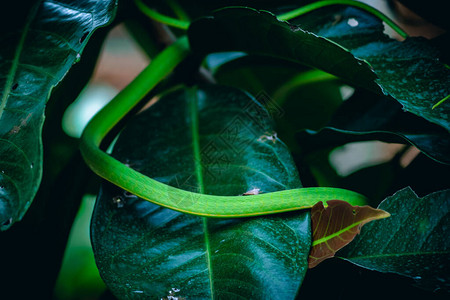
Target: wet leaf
348,43
367,116
336,225
146,251
260,32
413,242
38,50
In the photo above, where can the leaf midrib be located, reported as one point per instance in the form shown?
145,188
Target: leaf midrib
337,233
192,96
15,61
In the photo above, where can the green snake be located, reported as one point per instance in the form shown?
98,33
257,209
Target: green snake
149,189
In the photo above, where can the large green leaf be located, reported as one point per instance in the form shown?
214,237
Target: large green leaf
337,41
35,56
367,116
409,71
260,32
413,242
213,140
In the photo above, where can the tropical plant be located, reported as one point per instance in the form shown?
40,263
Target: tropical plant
220,160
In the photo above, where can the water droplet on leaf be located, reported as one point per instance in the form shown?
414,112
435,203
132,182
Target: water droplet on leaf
117,200
352,22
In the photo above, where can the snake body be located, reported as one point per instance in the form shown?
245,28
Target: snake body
188,202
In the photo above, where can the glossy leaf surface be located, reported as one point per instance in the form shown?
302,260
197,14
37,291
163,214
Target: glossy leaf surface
367,116
413,242
35,56
337,41
260,32
208,140
336,225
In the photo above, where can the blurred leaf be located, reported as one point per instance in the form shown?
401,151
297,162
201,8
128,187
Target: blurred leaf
37,54
256,74
413,242
32,250
215,61
367,116
46,226
305,103
336,225
432,11
189,256
409,71
442,43
296,97
374,182
79,278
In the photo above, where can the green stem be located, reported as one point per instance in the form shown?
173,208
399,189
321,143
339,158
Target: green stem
440,102
178,10
316,5
153,14
304,78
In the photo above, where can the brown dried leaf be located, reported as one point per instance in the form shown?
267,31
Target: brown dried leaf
336,225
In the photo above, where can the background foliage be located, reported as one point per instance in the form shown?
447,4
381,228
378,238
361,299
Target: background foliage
300,71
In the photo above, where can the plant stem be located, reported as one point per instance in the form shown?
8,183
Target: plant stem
440,102
316,5
153,14
178,10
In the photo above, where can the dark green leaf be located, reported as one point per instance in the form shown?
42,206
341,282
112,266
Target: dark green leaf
260,32
408,71
46,226
45,231
256,74
413,242
143,250
366,116
430,10
374,182
36,55
199,8
296,97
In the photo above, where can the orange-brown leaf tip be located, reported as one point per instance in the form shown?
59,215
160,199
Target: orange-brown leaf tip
336,225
